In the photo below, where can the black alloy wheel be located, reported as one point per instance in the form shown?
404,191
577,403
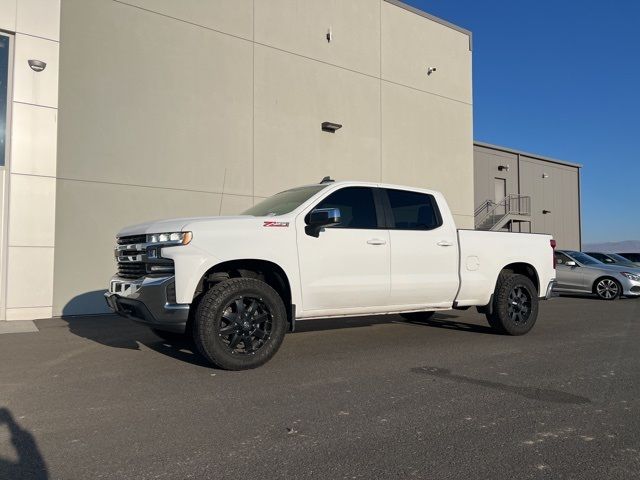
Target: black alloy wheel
245,325
519,307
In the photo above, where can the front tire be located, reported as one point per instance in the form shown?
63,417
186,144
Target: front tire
240,324
515,305
607,289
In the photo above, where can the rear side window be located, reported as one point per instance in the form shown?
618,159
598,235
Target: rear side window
357,207
413,211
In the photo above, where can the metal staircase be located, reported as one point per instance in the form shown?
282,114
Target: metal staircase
512,210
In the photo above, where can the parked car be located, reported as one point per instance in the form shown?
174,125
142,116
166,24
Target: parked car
577,272
612,259
632,257
333,249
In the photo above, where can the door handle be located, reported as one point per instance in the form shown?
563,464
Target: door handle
376,241
444,243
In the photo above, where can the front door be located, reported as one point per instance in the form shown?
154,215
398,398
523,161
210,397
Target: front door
346,266
568,277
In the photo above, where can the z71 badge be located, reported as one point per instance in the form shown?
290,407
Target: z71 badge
276,224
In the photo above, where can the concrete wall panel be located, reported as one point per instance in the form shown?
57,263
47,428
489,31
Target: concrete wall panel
8,15
29,277
153,101
301,26
34,140
37,88
89,216
234,17
39,17
411,44
32,203
426,143
293,96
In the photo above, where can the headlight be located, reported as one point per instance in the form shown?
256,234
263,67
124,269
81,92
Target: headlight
174,238
632,276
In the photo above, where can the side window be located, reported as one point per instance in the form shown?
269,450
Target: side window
561,258
356,206
413,210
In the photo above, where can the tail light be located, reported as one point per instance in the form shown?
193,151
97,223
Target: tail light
553,252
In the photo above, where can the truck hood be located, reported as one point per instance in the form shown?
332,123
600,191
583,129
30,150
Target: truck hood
176,224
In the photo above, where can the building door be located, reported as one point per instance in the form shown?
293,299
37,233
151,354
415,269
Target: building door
6,57
500,192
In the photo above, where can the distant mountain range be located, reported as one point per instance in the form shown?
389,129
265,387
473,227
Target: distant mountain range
613,247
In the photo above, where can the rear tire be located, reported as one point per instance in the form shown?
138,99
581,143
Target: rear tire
515,305
240,324
418,316
607,288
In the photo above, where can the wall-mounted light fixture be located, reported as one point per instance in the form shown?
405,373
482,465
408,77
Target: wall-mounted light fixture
503,168
544,212
37,65
431,70
545,175
330,127
329,35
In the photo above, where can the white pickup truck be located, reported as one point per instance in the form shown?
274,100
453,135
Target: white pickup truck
237,284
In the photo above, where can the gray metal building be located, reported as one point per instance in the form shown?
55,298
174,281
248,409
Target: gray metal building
525,192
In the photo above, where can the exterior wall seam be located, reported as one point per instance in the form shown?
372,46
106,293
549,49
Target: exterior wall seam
150,186
182,20
20,32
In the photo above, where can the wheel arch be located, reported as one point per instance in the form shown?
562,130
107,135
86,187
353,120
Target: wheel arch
269,272
602,277
526,269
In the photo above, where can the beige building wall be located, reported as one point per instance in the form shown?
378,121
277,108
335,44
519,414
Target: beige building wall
29,185
202,108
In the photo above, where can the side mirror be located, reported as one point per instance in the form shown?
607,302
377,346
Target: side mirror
322,217
571,263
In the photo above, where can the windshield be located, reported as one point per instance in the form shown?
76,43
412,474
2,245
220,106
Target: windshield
584,258
283,202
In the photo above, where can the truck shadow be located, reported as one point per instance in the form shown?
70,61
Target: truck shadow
30,463
117,332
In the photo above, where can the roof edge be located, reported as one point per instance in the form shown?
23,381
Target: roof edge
527,154
424,14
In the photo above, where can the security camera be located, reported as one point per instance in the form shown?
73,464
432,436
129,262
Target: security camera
431,70
37,65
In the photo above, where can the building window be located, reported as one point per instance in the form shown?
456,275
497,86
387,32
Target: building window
4,92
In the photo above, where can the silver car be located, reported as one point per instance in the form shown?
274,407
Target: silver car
613,259
577,272
632,257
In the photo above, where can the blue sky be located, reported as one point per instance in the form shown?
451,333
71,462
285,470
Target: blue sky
562,79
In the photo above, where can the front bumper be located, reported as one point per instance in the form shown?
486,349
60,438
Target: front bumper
148,300
630,288
550,293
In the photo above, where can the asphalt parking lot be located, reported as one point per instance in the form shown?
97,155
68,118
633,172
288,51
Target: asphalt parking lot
368,397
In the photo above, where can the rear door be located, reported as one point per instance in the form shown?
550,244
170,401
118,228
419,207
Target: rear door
424,253
346,266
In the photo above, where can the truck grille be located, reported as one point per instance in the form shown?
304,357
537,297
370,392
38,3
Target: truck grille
134,262
129,239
